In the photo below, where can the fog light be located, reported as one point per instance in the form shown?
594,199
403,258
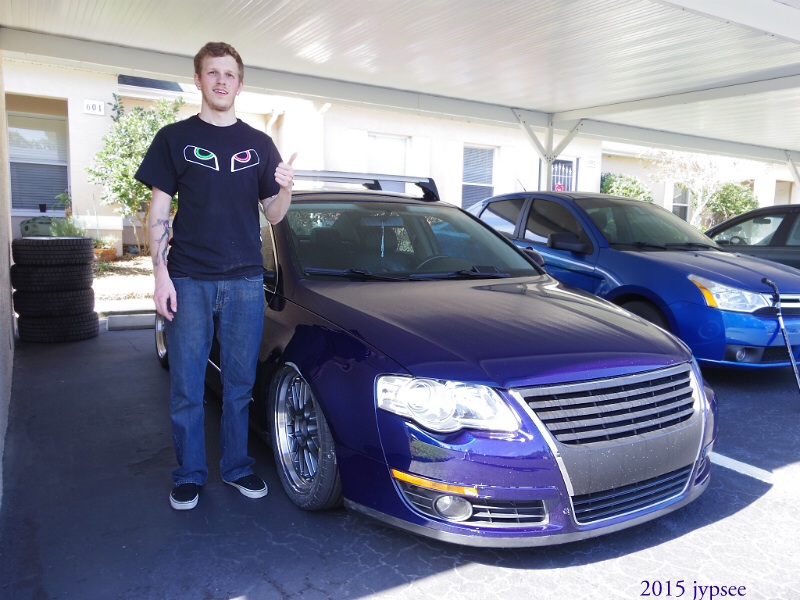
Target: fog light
453,508
741,354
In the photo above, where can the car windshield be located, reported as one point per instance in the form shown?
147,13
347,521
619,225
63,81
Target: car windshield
643,225
390,241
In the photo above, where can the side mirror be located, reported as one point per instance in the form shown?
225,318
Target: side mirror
566,240
535,256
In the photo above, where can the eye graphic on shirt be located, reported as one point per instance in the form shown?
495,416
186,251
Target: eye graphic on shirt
243,160
201,156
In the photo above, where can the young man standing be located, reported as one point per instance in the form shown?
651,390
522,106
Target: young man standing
212,277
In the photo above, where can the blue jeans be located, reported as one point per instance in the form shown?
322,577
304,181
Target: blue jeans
235,308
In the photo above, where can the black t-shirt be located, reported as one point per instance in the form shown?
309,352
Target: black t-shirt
219,174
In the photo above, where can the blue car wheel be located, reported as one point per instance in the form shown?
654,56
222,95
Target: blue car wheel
302,443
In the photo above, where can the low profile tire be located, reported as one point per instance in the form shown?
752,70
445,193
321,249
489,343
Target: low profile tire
161,341
52,251
649,312
48,330
51,278
54,304
302,443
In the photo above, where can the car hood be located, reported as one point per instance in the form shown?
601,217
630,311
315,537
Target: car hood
738,270
505,333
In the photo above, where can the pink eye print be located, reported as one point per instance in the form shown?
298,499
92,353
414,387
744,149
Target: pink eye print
244,160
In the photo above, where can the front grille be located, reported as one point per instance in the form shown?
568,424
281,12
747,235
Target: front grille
486,512
593,507
790,307
776,354
615,408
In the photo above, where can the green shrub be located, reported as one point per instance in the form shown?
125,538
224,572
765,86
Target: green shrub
624,185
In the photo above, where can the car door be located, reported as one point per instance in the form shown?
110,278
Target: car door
785,248
760,235
545,218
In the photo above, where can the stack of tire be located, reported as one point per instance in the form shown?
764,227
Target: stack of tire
53,298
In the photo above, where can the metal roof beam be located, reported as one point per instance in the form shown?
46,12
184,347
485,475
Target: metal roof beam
678,141
146,63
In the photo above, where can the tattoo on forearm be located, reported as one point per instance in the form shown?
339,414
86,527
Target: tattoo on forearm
160,256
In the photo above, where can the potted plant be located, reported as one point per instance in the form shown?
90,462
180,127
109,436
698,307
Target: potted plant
105,248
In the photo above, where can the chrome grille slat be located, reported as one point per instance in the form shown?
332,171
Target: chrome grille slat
621,410
593,507
604,397
611,431
614,408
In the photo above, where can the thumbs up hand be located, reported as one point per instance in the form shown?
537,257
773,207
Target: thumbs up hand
284,174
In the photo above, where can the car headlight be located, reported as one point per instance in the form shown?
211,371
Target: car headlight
726,297
444,406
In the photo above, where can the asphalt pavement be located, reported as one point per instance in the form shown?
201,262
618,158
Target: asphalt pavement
85,511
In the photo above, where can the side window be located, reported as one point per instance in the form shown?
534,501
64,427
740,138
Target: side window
757,231
503,215
793,239
548,217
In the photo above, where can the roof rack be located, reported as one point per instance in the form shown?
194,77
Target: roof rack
371,181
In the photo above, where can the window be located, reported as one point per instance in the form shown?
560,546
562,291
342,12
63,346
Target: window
37,148
387,155
680,202
548,217
563,175
503,215
478,170
756,231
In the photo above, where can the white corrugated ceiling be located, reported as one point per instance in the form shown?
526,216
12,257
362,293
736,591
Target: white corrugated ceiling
717,75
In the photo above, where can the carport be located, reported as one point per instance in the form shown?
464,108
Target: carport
703,75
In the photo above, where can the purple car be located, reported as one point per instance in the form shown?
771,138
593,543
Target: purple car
420,369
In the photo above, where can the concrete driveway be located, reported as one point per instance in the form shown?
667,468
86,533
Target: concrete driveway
85,512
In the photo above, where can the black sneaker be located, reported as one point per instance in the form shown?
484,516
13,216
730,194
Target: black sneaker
184,496
251,486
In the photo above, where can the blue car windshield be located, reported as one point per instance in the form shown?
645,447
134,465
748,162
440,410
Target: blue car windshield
643,225
392,241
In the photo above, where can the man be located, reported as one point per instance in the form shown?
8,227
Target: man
221,168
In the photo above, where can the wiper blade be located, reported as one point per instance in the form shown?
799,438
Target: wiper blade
693,245
352,274
462,274
640,245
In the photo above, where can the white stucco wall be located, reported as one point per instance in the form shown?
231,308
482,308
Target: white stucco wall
85,130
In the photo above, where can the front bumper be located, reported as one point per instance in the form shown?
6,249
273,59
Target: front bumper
730,339
527,488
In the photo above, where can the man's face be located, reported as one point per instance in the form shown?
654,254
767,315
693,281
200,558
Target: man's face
219,82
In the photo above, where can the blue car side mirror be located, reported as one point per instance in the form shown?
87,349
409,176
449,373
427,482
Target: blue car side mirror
566,240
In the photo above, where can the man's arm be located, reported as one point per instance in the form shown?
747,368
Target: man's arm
164,295
276,206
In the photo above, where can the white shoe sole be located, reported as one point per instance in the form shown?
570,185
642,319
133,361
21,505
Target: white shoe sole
250,493
183,505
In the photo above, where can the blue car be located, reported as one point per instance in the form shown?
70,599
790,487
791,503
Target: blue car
420,369
654,264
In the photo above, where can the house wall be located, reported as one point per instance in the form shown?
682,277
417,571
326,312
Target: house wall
436,149
35,88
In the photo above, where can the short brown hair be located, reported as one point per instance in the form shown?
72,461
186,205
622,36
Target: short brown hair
218,49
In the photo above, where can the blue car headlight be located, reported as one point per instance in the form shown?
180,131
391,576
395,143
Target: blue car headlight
725,297
444,406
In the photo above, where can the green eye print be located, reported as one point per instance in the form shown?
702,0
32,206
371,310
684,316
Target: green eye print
202,154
